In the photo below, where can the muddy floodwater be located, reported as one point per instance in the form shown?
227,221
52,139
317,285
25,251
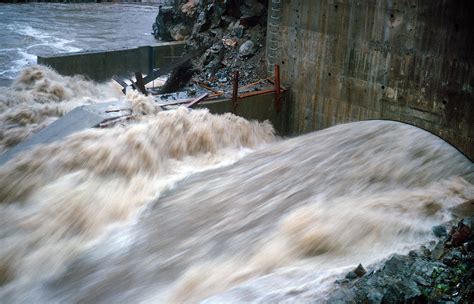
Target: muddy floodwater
187,206
28,30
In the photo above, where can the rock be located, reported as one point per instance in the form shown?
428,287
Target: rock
202,23
461,234
216,47
342,281
232,42
439,231
396,264
247,49
374,296
465,209
452,257
189,8
437,251
425,251
180,31
215,13
360,270
163,20
252,8
351,275
393,294
238,31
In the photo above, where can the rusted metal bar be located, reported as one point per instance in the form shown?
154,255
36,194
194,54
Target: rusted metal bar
197,100
216,94
255,93
235,90
277,88
254,83
140,85
177,102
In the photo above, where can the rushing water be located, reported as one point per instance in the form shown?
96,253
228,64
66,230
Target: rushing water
185,206
28,30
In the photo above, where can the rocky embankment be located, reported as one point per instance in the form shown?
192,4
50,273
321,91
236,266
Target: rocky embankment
442,274
231,35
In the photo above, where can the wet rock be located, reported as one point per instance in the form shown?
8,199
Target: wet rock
351,275
452,257
238,31
461,234
439,231
215,13
165,18
179,32
418,278
396,264
360,270
247,49
189,8
437,251
465,209
425,251
202,23
238,28
342,281
252,8
217,47
374,296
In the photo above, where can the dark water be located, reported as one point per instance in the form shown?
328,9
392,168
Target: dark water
28,30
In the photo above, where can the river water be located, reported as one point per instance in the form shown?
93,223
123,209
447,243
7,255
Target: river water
186,206
28,30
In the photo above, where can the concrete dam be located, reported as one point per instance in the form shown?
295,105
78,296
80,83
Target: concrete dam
409,61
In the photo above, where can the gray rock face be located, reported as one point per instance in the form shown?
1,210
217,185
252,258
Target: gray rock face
180,31
417,277
439,231
247,48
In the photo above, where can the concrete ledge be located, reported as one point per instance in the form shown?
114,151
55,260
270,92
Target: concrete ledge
102,65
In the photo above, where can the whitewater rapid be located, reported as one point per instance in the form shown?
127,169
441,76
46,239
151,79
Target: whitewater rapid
187,206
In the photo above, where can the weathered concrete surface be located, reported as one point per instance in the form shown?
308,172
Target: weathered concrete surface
410,61
78,119
260,107
102,65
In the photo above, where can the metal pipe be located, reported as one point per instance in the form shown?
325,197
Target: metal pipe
235,90
277,88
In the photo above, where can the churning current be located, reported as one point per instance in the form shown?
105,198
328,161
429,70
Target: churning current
28,30
186,206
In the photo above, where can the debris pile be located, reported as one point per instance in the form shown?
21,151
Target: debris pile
231,35
444,273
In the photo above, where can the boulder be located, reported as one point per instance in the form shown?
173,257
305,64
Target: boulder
439,231
189,8
179,31
247,49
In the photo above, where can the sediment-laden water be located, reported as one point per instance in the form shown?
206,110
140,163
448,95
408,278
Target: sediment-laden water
186,206
28,30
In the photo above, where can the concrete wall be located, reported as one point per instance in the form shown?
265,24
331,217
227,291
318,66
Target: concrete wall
102,65
406,60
